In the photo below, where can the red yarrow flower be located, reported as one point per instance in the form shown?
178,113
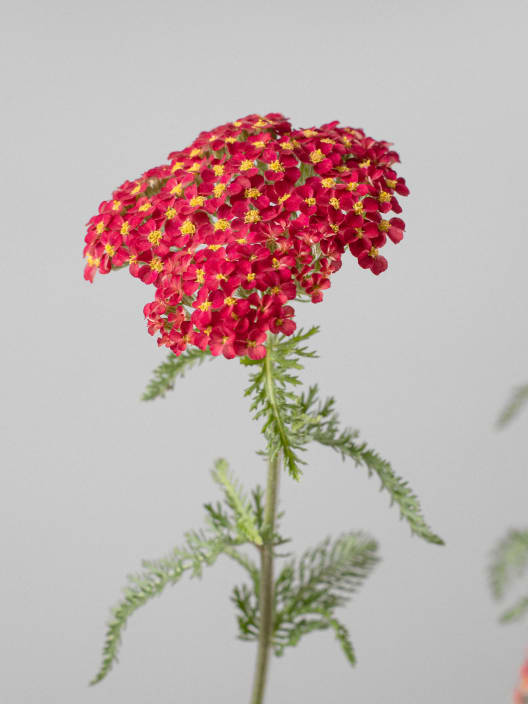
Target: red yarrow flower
248,218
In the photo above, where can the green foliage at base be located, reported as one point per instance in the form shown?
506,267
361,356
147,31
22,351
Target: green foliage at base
309,590
509,562
229,525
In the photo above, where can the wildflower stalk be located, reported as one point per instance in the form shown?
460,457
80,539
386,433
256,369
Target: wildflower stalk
266,596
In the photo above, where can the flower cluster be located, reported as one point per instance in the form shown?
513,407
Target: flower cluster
249,217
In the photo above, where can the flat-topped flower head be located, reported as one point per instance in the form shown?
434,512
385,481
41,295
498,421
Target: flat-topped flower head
251,216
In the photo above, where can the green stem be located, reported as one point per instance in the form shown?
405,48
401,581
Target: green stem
266,596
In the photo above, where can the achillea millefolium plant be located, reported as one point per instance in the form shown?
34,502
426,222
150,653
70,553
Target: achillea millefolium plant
248,219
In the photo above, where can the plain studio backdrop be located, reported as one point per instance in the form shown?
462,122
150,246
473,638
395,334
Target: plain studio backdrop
421,359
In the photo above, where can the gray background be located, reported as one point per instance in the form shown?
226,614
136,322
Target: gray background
420,359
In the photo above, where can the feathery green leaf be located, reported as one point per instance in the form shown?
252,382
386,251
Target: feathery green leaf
173,367
273,399
516,612
509,561
320,422
514,406
325,578
239,504
198,551
201,548
308,591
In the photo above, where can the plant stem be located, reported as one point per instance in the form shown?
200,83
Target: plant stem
266,596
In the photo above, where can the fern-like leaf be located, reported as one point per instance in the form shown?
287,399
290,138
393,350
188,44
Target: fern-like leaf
173,367
308,592
271,387
237,501
516,612
320,422
199,550
228,529
509,561
514,406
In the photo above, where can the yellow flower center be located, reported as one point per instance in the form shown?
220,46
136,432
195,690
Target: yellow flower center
251,276
136,189
116,205
326,140
275,263
276,166
284,197
100,227
287,145
187,228
155,237
92,261
246,165
218,169
251,193
197,201
200,276
195,167
335,227
229,301
390,183
125,228
215,247
177,166
220,277
335,203
221,225
309,133
177,190
373,252
316,156
195,152
384,226
364,164
146,206
252,216
328,182
170,213
384,197
205,306
358,208
310,201
156,264
352,186
219,189
241,240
